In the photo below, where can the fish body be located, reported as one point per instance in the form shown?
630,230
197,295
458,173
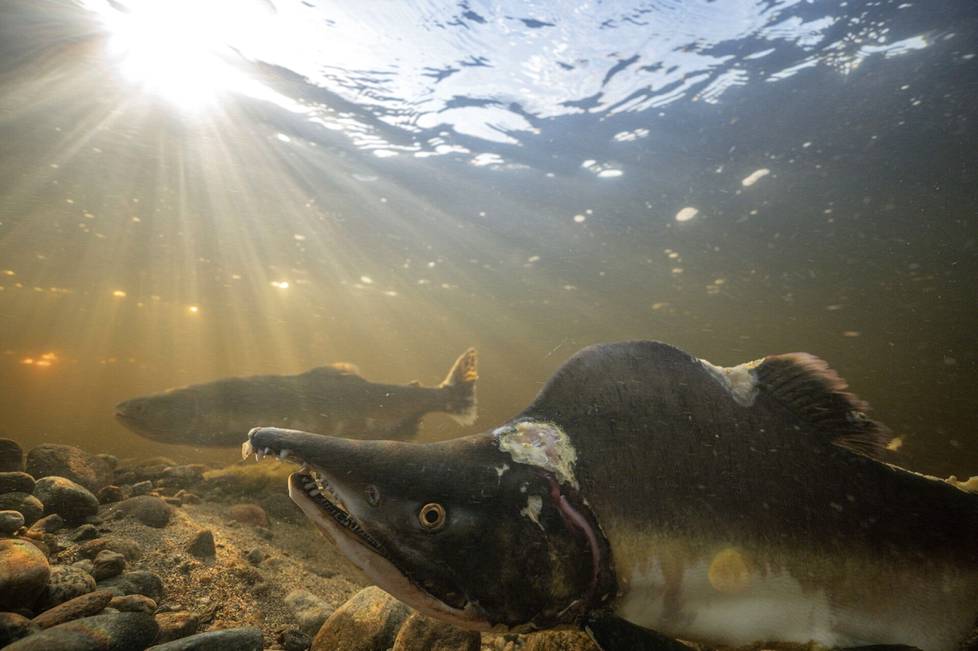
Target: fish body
655,491
333,400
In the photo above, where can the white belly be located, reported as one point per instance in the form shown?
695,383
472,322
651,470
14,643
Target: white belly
726,600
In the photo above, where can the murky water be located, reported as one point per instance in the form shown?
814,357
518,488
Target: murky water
195,190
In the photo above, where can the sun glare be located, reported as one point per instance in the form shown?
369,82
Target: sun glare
177,48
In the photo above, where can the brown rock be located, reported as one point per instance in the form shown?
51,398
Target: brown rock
10,522
14,626
186,497
108,563
116,631
11,456
28,505
202,545
369,621
68,461
133,603
174,626
16,482
70,500
82,606
47,524
148,509
24,571
65,583
110,494
420,633
249,514
125,546
559,641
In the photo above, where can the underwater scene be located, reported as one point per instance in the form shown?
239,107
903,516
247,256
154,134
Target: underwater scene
464,325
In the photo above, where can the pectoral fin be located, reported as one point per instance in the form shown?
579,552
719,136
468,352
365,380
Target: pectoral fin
613,633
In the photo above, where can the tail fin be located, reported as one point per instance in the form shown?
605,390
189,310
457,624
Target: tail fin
460,385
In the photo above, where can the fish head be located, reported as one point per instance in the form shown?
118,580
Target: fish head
168,416
457,529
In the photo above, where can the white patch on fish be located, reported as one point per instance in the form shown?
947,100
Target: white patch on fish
740,381
501,470
534,504
540,444
727,597
773,607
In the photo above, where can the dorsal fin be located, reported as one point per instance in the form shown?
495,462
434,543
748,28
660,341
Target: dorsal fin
969,485
346,368
815,393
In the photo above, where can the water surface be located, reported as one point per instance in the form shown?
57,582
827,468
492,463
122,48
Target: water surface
190,190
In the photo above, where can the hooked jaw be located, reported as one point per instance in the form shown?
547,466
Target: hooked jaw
323,504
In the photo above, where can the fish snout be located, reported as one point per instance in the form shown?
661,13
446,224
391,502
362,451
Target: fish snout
129,409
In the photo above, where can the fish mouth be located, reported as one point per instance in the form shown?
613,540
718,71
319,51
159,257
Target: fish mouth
312,492
310,489
133,424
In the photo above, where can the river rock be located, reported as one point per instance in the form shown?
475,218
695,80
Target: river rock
84,532
10,521
107,632
28,505
65,582
14,626
292,639
70,462
141,488
47,524
202,544
11,456
176,625
559,641
125,546
368,621
308,610
133,603
420,633
229,639
110,460
136,582
81,606
186,497
68,499
16,482
107,564
148,509
183,476
85,565
24,572
249,514
111,493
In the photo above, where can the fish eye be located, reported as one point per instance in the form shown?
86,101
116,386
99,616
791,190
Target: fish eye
373,495
432,516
